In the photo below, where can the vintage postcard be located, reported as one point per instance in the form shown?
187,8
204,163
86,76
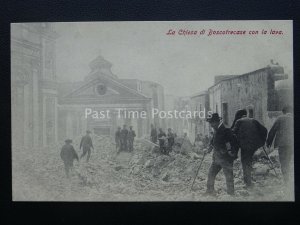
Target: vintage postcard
152,111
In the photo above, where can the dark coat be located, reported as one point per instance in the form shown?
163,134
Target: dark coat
68,154
131,134
86,142
153,135
117,136
250,133
124,133
171,139
161,141
224,141
282,131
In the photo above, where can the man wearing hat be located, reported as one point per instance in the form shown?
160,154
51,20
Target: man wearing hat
131,135
68,154
225,152
118,139
251,135
124,138
171,139
86,143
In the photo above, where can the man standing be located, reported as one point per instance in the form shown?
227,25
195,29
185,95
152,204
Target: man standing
118,139
124,136
86,144
153,134
171,139
251,135
131,136
282,131
68,154
162,138
225,152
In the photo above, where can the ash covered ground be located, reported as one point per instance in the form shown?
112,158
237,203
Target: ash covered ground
142,175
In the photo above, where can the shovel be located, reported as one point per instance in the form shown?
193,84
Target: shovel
198,170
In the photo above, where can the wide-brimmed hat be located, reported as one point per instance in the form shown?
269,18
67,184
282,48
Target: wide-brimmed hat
68,141
214,118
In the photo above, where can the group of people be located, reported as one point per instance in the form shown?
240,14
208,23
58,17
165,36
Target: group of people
124,138
124,142
248,135
166,141
68,153
245,133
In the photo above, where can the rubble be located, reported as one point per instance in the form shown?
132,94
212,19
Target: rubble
261,169
142,175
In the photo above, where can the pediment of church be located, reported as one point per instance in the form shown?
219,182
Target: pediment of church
104,89
95,90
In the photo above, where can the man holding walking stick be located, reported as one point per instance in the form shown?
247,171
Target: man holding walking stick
225,152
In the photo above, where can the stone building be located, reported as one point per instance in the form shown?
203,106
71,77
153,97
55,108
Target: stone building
263,93
170,103
156,92
102,90
200,102
33,84
254,91
183,125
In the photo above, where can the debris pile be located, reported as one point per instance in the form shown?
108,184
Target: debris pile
142,175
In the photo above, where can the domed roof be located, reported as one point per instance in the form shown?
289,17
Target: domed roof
99,62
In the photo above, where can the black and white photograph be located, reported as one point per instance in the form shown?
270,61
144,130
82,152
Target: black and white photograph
151,111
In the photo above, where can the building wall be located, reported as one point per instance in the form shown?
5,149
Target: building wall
170,103
200,103
254,91
33,78
156,92
215,98
248,91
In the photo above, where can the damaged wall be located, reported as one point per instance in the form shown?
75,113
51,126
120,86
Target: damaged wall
254,91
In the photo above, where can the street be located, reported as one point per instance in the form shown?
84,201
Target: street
141,175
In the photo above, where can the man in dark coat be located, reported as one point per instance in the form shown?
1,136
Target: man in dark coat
68,154
131,136
171,139
162,139
153,134
118,139
86,144
282,131
124,134
225,152
250,137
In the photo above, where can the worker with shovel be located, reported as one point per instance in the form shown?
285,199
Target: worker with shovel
224,153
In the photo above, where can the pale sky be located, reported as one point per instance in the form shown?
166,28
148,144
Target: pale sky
184,65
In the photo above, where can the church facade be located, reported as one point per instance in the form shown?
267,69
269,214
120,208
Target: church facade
101,90
45,111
